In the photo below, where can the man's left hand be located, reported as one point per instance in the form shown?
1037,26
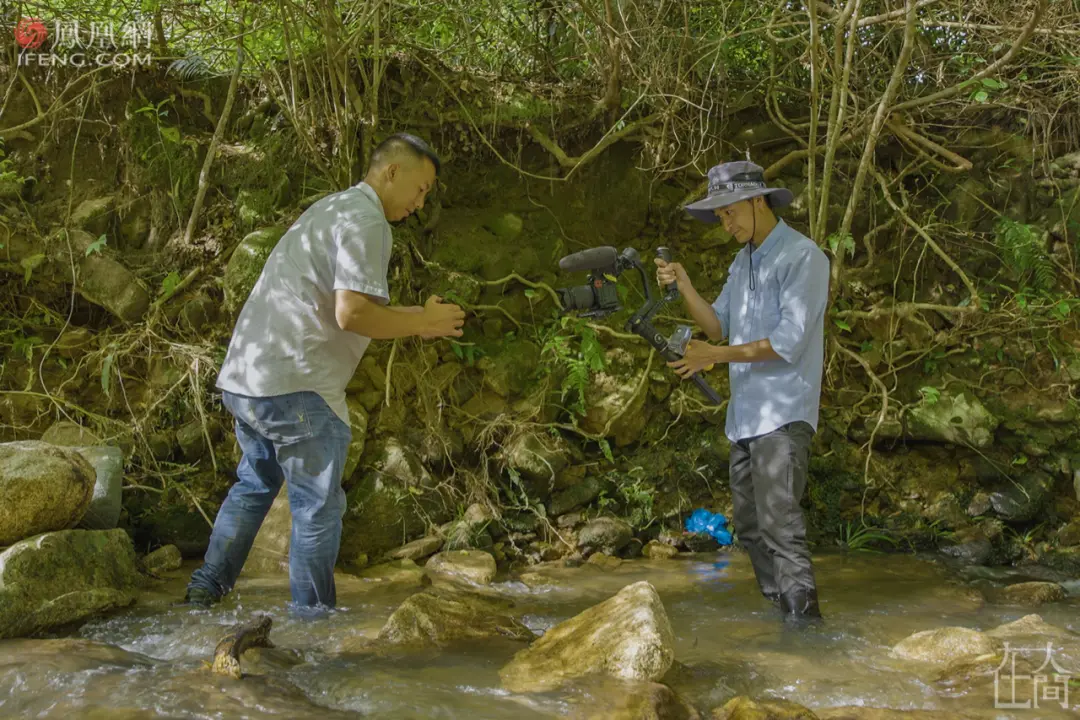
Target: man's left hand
698,356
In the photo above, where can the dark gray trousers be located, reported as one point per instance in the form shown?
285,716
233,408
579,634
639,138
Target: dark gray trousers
768,477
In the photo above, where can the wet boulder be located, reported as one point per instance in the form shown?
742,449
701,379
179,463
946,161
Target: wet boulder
43,487
404,573
611,699
1033,594
164,559
473,566
439,616
659,551
605,534
944,645
417,549
745,708
959,419
58,578
627,636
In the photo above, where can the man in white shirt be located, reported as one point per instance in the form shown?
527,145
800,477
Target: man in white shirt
320,300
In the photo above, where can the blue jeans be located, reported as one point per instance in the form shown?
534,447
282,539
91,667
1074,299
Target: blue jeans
299,440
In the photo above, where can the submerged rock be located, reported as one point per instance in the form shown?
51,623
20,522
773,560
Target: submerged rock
621,700
627,636
401,572
744,708
474,566
1033,594
1031,626
63,577
43,488
944,645
439,616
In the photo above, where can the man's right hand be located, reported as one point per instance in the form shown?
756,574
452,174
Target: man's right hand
442,319
667,273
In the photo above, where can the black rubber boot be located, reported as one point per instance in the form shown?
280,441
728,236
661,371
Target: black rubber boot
774,598
800,606
198,597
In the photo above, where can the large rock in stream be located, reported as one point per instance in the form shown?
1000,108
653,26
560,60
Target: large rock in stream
42,488
439,616
627,636
63,577
944,645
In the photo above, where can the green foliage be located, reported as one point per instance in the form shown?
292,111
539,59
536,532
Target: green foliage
632,497
96,246
1023,251
863,537
576,350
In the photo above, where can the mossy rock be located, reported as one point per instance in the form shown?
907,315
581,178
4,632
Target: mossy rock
390,500
246,265
58,578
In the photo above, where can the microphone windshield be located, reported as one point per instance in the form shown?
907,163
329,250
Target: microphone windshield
591,259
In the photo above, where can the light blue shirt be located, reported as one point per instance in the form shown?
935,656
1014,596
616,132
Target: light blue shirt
787,306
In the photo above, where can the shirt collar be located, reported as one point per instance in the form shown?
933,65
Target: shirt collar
372,195
771,240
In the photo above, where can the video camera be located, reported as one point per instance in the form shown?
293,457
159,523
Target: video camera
599,298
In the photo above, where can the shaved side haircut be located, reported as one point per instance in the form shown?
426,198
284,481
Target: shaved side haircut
403,145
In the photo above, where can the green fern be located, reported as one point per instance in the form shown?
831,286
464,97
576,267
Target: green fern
1022,248
580,363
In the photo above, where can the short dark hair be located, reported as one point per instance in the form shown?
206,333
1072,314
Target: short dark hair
398,143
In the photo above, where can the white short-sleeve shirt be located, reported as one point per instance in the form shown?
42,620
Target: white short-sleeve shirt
287,338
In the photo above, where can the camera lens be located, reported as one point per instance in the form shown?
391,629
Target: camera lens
579,297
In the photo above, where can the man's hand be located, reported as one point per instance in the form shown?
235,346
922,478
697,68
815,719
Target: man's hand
441,319
667,273
698,356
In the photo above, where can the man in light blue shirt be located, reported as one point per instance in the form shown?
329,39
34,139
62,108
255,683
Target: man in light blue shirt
772,311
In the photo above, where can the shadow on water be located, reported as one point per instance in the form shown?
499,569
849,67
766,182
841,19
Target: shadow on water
150,661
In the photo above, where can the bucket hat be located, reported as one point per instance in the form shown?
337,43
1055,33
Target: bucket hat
733,182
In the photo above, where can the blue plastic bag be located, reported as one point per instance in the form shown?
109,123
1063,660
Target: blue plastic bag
715,524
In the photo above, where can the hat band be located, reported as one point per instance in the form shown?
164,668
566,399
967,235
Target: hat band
733,186
740,181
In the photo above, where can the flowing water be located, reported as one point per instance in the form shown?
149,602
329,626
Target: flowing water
149,660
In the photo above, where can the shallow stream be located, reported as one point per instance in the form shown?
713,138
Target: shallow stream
149,660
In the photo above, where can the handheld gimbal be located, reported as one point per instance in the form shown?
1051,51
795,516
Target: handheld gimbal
598,298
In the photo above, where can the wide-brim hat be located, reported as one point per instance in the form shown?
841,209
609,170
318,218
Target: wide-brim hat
734,182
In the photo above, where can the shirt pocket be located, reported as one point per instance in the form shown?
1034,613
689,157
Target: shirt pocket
769,306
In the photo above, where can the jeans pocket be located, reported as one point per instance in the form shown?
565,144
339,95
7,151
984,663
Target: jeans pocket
280,419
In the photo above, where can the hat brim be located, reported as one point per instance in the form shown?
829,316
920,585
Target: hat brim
703,209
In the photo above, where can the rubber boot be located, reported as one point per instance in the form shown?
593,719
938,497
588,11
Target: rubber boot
800,606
